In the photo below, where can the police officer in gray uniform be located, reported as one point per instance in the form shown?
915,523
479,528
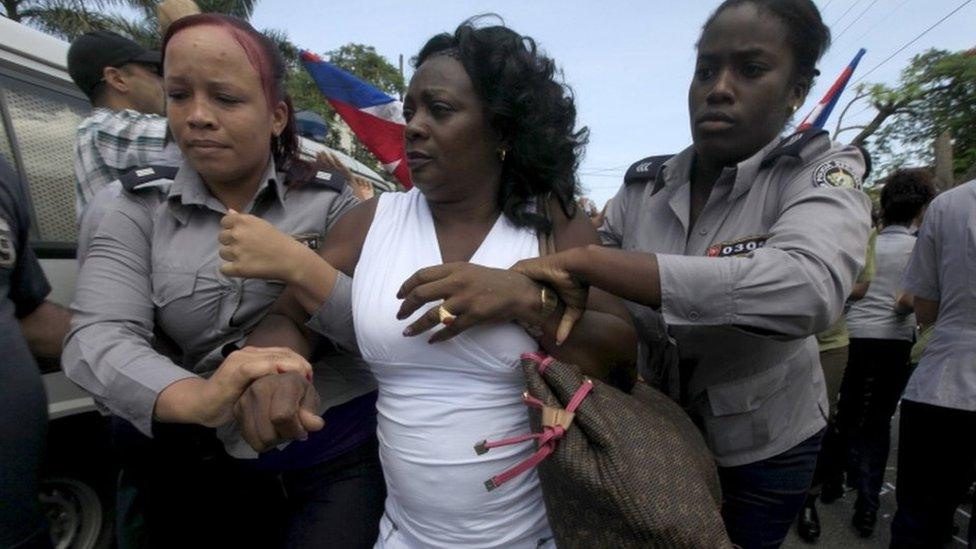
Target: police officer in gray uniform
741,247
151,275
937,432
29,325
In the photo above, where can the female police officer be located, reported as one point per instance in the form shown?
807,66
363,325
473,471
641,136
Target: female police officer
745,245
152,265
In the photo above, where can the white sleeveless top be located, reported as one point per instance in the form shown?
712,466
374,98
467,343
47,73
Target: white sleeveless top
437,401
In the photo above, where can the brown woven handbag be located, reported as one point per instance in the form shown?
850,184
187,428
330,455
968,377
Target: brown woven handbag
617,470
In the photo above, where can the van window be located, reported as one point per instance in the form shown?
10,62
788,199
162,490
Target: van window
44,123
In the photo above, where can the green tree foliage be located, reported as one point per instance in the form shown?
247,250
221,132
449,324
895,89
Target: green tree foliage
63,18
936,92
137,19
68,19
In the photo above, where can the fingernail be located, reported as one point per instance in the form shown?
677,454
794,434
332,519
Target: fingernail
303,438
407,332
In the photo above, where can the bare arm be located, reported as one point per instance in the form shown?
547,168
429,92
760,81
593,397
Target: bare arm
604,338
904,304
313,283
605,341
281,329
45,329
859,290
311,280
926,311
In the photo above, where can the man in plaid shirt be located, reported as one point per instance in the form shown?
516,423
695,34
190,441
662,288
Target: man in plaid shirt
126,128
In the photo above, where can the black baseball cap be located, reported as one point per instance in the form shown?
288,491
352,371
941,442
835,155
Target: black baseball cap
91,52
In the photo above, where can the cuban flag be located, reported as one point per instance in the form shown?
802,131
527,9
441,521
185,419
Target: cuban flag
819,115
375,117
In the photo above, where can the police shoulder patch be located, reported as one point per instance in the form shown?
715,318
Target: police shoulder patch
645,169
8,249
147,177
835,173
792,145
309,240
329,180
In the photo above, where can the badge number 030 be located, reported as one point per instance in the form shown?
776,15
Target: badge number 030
737,247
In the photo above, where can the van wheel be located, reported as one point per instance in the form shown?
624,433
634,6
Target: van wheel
74,513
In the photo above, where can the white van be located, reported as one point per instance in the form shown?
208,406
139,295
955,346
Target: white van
40,109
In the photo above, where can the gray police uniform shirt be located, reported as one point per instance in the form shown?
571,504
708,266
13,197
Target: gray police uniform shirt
153,264
873,316
767,265
943,269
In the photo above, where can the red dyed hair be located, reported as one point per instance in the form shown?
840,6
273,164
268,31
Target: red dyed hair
261,52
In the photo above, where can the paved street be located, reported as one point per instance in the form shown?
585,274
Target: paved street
836,517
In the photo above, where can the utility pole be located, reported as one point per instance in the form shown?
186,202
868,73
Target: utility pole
943,161
401,76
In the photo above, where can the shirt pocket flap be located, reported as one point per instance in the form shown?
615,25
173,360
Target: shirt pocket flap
170,286
747,394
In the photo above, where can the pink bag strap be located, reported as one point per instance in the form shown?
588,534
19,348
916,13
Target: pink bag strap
555,423
542,359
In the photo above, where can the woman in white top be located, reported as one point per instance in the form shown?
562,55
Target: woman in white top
878,365
489,138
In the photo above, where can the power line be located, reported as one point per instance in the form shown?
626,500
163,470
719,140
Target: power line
912,41
856,19
613,175
613,169
843,15
865,34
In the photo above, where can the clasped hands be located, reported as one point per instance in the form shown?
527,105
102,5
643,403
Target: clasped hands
267,390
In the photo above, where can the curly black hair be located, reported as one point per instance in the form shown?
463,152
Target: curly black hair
806,32
533,114
905,193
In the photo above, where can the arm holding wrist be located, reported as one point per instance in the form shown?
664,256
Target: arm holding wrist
604,338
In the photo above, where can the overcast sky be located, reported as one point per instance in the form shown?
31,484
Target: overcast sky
628,62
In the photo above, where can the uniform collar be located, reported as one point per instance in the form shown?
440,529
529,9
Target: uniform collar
188,190
747,170
677,170
803,146
899,229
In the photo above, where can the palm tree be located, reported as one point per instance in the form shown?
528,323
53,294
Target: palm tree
65,18
70,18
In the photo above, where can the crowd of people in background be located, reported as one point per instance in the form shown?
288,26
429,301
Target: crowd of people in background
290,359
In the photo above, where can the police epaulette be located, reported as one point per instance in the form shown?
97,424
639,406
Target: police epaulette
792,145
146,177
645,169
330,180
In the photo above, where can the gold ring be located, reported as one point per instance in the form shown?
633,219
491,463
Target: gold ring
550,301
445,316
